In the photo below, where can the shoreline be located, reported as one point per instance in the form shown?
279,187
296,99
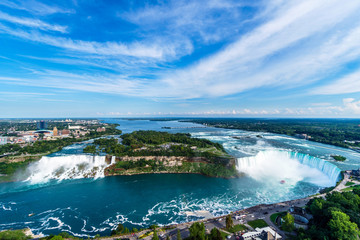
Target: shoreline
254,212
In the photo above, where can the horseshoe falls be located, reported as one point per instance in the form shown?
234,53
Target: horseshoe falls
291,167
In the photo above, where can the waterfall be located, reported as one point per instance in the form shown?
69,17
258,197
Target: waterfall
290,167
66,167
331,170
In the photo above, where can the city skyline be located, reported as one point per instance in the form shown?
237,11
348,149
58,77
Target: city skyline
176,58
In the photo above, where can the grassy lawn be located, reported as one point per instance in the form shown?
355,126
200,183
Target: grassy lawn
351,188
14,234
237,228
258,223
223,234
275,215
214,151
349,184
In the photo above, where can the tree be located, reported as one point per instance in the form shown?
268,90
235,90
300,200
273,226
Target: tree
229,221
167,237
341,227
197,231
57,238
41,136
155,236
178,235
215,234
90,149
153,227
288,224
120,228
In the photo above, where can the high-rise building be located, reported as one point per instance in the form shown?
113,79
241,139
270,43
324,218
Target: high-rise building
55,131
41,125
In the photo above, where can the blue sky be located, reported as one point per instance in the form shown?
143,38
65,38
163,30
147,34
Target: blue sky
92,58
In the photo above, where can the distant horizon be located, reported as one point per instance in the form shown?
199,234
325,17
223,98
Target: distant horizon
180,117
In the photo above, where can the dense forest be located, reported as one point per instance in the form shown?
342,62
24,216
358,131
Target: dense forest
211,158
336,217
139,138
339,132
152,143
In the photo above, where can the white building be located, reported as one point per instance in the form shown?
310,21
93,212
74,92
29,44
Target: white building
74,127
262,233
3,140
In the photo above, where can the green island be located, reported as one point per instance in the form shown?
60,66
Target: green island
16,156
161,152
339,132
338,158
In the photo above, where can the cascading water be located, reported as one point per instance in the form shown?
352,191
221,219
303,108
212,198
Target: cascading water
66,167
332,171
291,167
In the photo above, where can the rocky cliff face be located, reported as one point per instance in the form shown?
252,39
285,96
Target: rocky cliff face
170,164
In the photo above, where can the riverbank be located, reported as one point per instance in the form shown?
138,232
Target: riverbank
243,216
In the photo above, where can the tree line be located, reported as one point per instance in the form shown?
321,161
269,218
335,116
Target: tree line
335,218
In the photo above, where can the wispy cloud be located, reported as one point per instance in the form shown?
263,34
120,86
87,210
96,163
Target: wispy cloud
180,50
199,20
79,82
33,23
152,49
293,36
349,83
296,45
352,105
34,7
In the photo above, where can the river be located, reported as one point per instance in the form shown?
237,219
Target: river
61,199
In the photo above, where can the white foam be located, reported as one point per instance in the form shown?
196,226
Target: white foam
66,167
269,166
5,208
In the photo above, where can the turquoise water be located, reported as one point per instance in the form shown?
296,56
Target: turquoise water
94,206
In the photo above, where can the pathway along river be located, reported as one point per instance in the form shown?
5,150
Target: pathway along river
90,206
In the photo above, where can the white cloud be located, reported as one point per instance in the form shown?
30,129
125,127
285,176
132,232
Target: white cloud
79,82
298,43
34,7
197,19
347,84
352,105
307,38
136,49
33,23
